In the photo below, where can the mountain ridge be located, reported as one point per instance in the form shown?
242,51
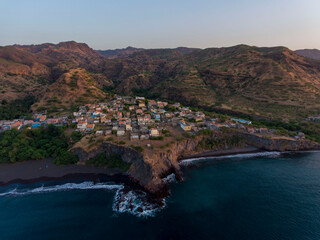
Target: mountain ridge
271,82
310,53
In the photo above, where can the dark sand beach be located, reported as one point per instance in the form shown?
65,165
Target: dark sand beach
39,170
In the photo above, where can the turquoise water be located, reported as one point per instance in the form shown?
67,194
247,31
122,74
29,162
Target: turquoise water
236,198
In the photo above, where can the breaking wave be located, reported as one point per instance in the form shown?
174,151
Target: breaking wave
191,161
63,187
125,201
136,203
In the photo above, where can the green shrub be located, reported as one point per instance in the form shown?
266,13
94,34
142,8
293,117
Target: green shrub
76,136
137,148
113,161
40,143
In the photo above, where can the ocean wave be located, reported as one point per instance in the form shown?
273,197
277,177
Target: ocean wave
191,161
136,203
63,187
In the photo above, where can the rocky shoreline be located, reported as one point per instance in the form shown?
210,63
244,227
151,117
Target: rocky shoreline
148,168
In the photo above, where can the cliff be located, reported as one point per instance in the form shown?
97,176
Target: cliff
149,167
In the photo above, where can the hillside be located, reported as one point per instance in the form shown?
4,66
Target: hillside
31,70
310,53
270,82
263,81
75,87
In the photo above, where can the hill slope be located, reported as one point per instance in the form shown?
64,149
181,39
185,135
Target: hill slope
310,53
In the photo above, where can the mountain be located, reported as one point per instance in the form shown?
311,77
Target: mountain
126,52
31,69
270,82
310,53
119,53
264,81
74,87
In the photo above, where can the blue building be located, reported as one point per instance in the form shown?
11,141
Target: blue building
241,121
35,125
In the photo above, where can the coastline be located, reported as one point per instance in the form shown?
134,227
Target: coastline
224,152
33,171
45,170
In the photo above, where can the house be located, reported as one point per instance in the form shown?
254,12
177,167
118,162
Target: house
52,121
156,116
251,130
90,127
28,122
217,126
120,132
198,119
185,126
139,111
160,104
131,108
134,136
141,104
176,105
36,125
128,127
263,130
140,98
152,103
99,133
82,125
154,132
144,137
16,125
119,114
103,120
122,122
108,132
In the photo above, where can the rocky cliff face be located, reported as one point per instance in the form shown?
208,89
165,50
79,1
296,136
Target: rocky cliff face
148,168
280,144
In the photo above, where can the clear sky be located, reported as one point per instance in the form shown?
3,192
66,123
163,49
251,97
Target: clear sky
112,24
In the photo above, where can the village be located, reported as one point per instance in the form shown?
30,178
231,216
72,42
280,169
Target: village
134,119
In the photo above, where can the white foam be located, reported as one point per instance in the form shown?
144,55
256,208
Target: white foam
242,155
133,202
63,187
136,203
170,178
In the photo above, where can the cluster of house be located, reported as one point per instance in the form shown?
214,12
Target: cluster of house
38,120
137,118
141,119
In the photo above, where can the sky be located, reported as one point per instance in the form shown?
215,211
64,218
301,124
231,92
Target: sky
113,24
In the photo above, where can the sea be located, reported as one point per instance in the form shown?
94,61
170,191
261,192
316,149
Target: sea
247,196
